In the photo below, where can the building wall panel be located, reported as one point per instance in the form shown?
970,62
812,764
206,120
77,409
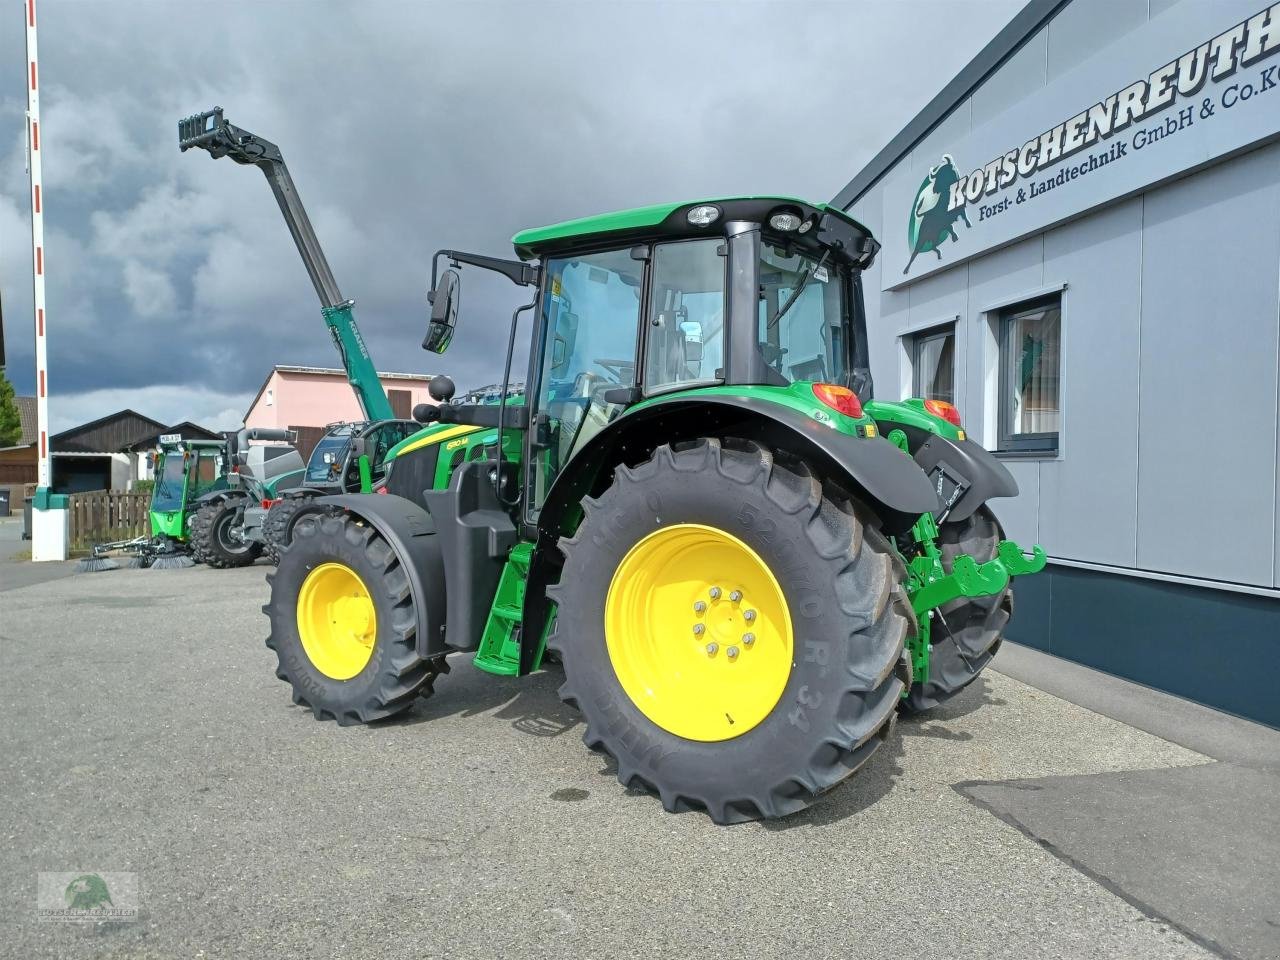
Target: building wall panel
1073,35
1087,494
1207,429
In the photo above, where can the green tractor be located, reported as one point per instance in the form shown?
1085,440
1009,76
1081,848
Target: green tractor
185,471
228,525
745,565
208,501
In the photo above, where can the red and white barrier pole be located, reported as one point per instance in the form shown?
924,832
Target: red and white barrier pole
49,521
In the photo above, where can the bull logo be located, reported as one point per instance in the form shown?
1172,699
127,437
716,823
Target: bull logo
931,223
87,892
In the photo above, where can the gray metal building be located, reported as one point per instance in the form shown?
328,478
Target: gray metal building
1082,250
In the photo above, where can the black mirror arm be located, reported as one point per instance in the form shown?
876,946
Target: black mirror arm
517,271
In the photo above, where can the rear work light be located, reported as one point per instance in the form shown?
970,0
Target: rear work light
947,411
840,399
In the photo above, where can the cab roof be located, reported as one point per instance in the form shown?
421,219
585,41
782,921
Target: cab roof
665,221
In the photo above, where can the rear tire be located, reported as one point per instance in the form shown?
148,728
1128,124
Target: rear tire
277,529
211,539
844,613
967,632
393,676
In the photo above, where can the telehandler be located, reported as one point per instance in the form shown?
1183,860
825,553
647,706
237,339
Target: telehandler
745,564
349,456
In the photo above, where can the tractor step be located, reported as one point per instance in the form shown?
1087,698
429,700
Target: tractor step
499,650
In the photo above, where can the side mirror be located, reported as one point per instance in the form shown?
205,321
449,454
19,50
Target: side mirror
444,312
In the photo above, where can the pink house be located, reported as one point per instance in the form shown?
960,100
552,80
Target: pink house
307,399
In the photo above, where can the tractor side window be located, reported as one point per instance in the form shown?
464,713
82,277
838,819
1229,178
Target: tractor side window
208,471
686,316
802,341
591,314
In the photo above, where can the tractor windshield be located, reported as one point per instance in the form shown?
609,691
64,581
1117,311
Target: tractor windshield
171,479
801,336
327,459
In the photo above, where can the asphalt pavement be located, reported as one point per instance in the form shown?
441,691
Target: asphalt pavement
16,568
144,732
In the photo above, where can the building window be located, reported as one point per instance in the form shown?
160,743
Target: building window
933,364
1030,364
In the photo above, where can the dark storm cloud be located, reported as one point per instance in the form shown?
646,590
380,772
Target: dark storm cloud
408,127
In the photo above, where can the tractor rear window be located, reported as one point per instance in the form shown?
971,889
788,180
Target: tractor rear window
685,333
801,334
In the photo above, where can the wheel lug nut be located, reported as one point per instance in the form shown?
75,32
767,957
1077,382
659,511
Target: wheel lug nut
732,652
698,629
749,615
699,607
712,648
735,596
715,593
748,639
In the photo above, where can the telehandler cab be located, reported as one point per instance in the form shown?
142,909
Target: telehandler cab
745,564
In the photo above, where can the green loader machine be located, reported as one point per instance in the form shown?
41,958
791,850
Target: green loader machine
185,472
745,564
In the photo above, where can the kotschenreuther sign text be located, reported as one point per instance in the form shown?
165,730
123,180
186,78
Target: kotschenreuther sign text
1209,85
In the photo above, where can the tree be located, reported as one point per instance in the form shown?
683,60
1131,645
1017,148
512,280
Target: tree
10,423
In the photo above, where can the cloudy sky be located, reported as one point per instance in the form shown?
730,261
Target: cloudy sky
172,282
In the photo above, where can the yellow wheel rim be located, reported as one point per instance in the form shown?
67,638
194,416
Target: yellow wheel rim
698,632
336,620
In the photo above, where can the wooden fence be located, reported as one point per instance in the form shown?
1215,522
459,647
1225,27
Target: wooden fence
106,515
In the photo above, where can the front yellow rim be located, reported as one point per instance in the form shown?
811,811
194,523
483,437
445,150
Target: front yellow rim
337,621
698,632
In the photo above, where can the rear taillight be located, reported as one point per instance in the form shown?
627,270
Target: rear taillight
947,411
381,489
266,504
841,399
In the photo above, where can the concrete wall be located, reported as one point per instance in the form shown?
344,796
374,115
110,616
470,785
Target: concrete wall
309,399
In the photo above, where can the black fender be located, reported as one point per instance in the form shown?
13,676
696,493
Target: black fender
217,496
294,492
870,468
969,468
411,533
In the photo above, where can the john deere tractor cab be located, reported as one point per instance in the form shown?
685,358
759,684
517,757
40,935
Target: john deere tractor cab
746,564
185,471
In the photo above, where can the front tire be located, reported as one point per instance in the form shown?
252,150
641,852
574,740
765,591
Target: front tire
277,529
343,624
212,538
966,632
791,713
